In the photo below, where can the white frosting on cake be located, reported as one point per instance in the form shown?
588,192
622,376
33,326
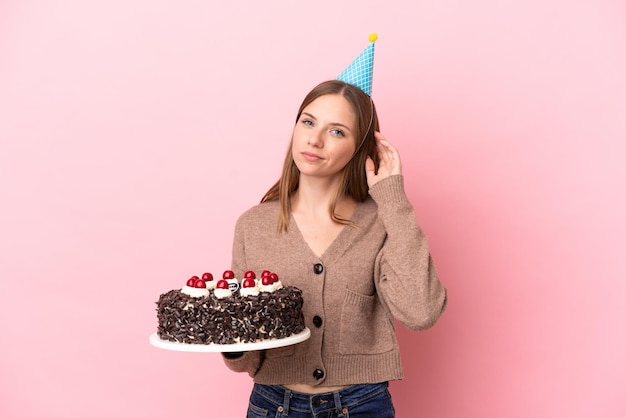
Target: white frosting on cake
210,284
271,287
195,292
249,291
222,293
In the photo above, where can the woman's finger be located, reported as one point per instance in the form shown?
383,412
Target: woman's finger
388,154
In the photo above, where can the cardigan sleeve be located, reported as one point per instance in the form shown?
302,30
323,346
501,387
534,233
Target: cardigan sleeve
406,277
249,361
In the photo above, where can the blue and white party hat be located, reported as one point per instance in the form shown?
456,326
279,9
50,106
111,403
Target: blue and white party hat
359,72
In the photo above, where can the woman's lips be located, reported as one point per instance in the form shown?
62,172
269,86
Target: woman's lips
310,156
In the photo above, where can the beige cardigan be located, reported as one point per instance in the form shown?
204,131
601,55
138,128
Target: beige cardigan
374,272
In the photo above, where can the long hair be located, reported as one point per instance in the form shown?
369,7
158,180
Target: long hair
354,181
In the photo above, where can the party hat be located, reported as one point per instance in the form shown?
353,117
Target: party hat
359,72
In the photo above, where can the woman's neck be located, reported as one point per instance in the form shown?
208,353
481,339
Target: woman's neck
314,196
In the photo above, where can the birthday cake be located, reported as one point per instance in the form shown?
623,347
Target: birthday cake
205,311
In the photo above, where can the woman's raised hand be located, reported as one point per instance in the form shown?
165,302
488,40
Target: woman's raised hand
389,161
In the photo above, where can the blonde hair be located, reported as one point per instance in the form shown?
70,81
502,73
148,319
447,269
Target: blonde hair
353,182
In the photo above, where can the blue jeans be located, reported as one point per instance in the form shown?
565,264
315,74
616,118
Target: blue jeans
357,401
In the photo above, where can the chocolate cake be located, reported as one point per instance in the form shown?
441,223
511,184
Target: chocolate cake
203,313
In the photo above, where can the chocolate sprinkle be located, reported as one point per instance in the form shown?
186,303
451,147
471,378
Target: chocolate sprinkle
235,319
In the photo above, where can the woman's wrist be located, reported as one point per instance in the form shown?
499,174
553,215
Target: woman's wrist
390,189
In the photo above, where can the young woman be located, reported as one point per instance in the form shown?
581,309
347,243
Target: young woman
337,225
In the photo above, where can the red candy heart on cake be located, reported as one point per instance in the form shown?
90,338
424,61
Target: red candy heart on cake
228,274
200,284
207,277
222,284
265,273
274,277
249,275
249,282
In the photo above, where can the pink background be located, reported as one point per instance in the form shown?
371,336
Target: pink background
133,133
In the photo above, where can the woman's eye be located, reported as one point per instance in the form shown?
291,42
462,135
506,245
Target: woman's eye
307,122
337,132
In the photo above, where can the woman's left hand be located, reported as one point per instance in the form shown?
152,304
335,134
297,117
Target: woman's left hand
389,161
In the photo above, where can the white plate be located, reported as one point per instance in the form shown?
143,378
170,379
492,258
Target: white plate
219,348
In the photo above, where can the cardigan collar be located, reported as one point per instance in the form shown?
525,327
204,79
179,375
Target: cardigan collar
364,215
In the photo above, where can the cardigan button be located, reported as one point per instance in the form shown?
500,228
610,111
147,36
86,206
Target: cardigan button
318,374
317,321
318,268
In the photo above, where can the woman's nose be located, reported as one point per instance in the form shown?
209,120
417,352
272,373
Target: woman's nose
316,140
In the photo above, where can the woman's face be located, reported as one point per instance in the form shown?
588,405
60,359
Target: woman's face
324,137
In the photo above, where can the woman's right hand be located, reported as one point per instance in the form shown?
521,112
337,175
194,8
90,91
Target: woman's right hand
232,356
389,164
